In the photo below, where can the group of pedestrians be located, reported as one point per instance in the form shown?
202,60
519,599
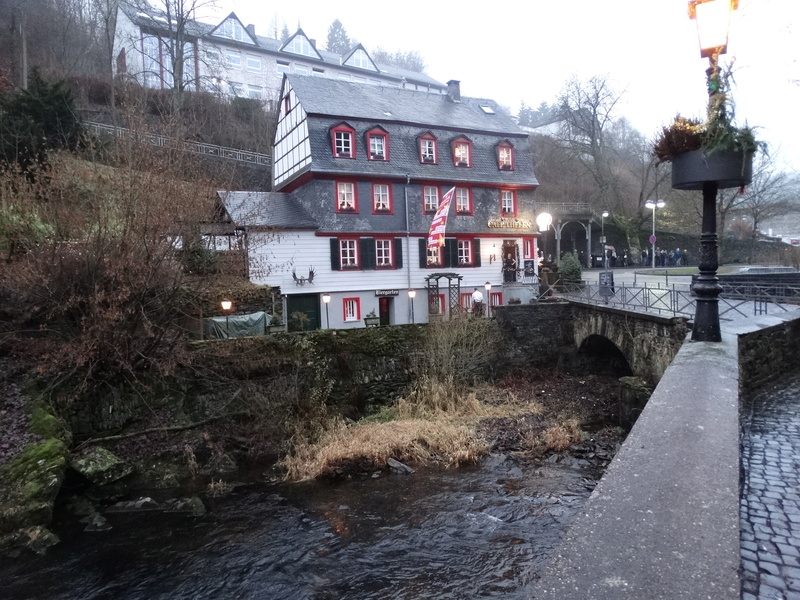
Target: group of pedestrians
667,258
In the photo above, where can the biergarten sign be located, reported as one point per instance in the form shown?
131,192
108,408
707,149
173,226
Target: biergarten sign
510,223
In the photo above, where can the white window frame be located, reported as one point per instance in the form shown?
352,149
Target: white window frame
348,253
344,143
427,149
465,252
253,63
282,67
461,153
384,253
233,60
429,194
345,195
463,204
507,202
505,157
381,199
301,69
351,309
377,146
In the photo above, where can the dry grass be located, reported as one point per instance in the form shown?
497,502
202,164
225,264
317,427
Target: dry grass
434,399
365,447
556,438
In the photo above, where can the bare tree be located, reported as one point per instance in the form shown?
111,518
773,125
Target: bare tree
614,154
171,25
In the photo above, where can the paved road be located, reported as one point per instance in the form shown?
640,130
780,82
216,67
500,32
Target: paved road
770,503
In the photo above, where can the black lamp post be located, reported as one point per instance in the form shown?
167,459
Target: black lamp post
713,20
226,307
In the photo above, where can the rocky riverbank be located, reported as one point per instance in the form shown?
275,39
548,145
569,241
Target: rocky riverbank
550,417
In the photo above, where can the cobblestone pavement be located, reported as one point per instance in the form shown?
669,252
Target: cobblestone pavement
770,502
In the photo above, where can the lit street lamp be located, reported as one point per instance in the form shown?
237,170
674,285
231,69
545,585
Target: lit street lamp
713,21
411,295
543,221
326,300
603,238
653,205
226,307
488,287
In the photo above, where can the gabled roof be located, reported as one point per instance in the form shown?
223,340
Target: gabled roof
345,100
302,38
348,59
232,17
265,209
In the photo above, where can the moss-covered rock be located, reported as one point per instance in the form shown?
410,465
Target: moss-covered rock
101,466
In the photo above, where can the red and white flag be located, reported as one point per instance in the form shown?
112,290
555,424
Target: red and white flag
439,223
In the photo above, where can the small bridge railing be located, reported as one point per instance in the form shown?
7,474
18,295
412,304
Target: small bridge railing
677,300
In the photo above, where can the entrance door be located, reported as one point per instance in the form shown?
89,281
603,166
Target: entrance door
385,310
510,261
302,312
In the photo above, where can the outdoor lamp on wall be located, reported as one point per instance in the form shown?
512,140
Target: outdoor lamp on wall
713,19
326,299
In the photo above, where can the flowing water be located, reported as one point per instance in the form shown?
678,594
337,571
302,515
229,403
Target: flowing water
481,532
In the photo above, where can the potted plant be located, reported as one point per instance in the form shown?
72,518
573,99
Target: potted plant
371,319
714,150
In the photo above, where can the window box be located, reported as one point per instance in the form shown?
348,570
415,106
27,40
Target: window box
372,321
343,154
461,164
427,159
505,167
377,156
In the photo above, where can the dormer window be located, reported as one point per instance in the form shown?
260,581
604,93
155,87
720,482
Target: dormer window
378,142
427,149
505,157
233,30
300,44
343,141
462,153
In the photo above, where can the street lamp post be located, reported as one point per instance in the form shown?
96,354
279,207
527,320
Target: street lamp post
713,21
653,205
543,221
326,300
226,307
411,295
603,238
488,287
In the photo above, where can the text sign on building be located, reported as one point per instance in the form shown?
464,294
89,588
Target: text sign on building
387,292
508,223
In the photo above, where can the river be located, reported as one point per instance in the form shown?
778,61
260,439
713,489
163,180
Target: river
479,532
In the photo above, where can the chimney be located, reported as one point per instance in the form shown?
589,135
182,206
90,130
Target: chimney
252,29
454,90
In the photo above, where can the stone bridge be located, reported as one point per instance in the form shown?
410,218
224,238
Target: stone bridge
608,339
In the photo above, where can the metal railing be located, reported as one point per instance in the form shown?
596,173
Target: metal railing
256,158
677,300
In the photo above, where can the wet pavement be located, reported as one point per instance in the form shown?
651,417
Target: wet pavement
770,501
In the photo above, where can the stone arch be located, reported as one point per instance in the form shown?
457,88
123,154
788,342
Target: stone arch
599,354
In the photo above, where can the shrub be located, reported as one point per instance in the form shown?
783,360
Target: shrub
571,267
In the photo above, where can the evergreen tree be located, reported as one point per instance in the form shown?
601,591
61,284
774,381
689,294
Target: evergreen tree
35,121
285,34
338,41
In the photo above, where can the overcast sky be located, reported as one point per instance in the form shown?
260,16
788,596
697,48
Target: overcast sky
514,51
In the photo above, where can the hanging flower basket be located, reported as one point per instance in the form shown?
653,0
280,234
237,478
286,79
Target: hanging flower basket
729,169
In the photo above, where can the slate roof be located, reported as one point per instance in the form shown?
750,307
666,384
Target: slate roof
265,209
405,115
320,96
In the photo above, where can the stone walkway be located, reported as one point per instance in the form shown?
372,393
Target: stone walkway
770,501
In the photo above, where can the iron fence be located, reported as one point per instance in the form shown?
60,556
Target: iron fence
256,158
677,300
